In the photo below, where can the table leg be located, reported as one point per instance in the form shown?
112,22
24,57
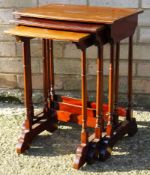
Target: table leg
34,125
84,135
48,75
51,62
45,75
130,62
109,126
99,97
133,129
115,117
82,149
27,126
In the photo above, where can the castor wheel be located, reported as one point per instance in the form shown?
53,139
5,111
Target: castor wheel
104,150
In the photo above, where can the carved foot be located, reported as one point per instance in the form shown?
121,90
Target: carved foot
81,156
27,135
23,141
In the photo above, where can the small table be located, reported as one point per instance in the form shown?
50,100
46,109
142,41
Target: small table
105,25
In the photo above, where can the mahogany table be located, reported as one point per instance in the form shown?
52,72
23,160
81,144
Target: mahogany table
103,25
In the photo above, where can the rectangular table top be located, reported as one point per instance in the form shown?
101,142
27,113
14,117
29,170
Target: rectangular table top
47,33
79,13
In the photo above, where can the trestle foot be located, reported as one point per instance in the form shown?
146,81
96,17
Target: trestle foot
106,144
23,142
81,156
27,135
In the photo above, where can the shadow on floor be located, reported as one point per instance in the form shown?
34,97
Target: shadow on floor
130,153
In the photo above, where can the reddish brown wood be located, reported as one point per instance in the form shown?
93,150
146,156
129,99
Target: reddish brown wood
110,91
59,25
130,74
74,109
79,13
45,75
126,28
48,71
84,134
27,136
81,154
66,116
99,97
119,23
75,101
121,110
35,32
52,92
27,83
22,143
30,129
82,149
115,117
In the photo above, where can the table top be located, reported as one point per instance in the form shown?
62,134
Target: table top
79,13
47,33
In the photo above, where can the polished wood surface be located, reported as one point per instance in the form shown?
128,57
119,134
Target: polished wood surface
58,25
27,83
116,96
47,33
130,76
84,26
99,96
80,13
110,91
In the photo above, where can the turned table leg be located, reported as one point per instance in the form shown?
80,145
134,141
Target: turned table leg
48,77
99,97
27,126
115,117
45,75
130,62
82,149
84,135
51,72
110,92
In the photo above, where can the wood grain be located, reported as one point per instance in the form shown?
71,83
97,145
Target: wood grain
80,13
58,25
47,33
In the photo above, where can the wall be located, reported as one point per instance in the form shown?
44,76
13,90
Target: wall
67,62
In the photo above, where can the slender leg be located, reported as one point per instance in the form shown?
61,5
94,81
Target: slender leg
32,128
84,135
48,52
82,149
99,97
27,83
110,92
45,75
130,62
51,61
27,126
115,117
